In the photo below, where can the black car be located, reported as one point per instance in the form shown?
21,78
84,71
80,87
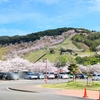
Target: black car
81,76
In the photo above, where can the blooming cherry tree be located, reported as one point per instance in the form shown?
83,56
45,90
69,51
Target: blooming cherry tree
20,64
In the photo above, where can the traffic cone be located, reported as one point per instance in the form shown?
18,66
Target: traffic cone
99,96
85,93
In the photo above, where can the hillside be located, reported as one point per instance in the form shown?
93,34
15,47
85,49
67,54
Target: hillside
67,44
91,40
77,40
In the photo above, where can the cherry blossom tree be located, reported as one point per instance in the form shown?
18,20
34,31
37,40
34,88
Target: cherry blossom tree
20,64
89,70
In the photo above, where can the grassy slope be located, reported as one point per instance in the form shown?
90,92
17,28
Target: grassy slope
52,57
67,44
33,56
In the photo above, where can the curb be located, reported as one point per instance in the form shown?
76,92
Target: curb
22,90
93,90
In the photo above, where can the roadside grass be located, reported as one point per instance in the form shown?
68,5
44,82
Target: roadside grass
74,86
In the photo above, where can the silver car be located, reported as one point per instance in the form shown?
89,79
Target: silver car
96,77
30,75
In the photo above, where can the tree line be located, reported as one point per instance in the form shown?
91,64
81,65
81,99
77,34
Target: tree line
6,40
91,39
91,60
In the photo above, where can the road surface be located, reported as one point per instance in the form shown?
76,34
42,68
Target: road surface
6,94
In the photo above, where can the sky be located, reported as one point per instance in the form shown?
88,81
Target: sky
22,17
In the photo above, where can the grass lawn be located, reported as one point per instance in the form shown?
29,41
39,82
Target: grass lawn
52,57
74,85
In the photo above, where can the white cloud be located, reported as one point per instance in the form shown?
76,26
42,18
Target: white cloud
95,5
47,1
33,15
12,32
18,16
4,1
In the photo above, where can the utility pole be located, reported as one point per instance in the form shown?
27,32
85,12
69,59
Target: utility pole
46,71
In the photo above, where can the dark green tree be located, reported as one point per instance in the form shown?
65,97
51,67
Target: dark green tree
52,51
73,69
62,50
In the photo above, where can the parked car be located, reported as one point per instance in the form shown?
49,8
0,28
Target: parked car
9,76
81,76
56,75
28,75
96,77
84,76
40,75
1,75
70,75
50,75
63,75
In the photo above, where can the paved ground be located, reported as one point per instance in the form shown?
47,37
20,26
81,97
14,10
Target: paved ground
80,93
93,95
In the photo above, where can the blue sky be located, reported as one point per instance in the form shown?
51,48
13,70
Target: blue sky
21,17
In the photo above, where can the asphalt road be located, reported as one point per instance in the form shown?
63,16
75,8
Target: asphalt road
6,94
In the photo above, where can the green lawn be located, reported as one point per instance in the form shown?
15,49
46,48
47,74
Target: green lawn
74,85
52,57
33,56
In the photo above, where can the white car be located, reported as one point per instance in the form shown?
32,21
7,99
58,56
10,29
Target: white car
63,75
96,77
50,75
40,75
